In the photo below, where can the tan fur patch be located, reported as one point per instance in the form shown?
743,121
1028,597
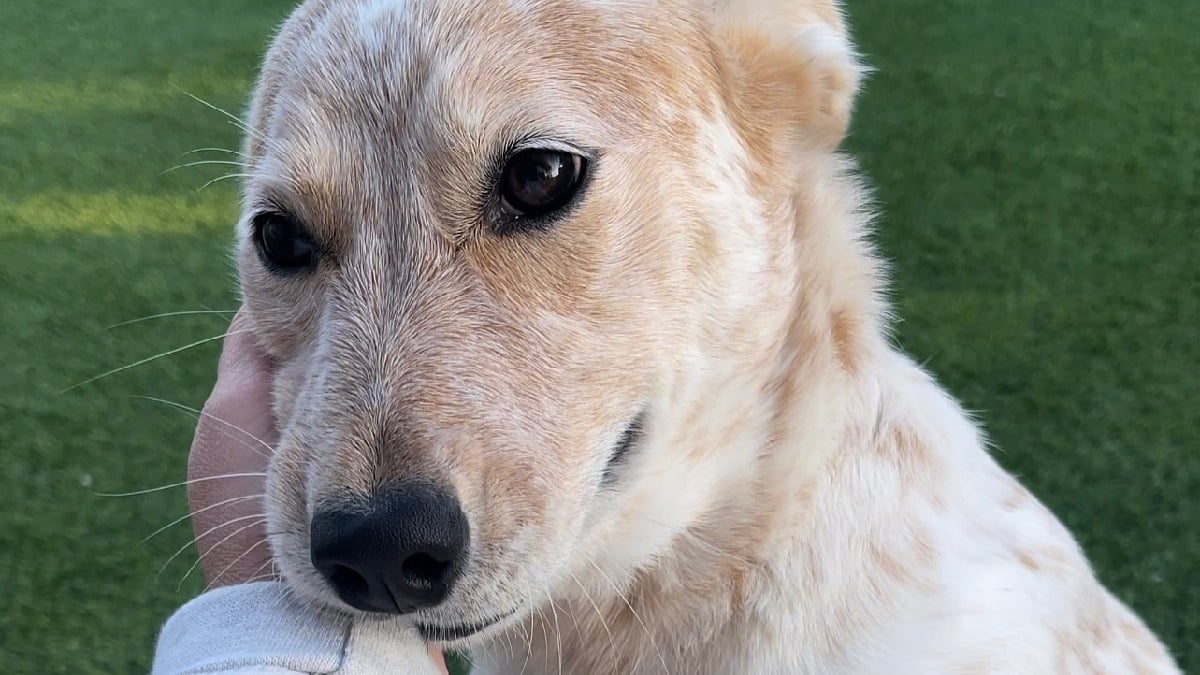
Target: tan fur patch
1028,561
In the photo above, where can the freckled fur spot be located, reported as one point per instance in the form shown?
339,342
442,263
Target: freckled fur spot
1028,561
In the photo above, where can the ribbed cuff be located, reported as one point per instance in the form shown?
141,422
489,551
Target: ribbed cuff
259,629
253,627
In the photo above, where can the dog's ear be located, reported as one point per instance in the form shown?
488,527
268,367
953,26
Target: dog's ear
791,70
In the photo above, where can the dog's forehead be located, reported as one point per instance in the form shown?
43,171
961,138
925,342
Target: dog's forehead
361,85
454,35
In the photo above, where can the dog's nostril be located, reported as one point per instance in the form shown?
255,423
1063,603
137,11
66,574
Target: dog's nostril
424,571
345,578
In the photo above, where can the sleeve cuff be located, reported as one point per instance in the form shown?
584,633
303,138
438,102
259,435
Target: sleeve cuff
260,629
248,628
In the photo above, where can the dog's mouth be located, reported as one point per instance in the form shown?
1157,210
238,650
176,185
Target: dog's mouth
630,438
448,634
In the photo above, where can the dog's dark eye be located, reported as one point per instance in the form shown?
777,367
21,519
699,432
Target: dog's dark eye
537,182
282,242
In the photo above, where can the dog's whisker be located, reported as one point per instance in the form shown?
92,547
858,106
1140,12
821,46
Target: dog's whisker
156,357
207,415
201,558
575,623
528,645
241,124
528,632
467,657
557,634
662,660
263,567
508,642
207,532
234,120
202,162
171,486
235,561
514,645
223,150
164,315
173,523
218,179
544,623
520,637
604,622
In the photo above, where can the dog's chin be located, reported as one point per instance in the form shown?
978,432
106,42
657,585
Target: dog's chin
448,633
467,633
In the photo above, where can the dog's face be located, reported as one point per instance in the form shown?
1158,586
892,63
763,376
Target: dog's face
493,247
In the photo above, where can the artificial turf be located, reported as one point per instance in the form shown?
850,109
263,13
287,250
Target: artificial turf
1036,167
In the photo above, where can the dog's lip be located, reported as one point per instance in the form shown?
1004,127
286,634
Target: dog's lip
447,634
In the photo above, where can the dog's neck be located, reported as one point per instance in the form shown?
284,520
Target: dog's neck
826,366
786,423
782,406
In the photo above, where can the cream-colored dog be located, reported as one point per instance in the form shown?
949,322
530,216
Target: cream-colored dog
584,356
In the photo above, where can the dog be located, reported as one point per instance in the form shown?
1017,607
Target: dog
584,356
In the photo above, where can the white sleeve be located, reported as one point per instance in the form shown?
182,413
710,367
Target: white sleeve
259,629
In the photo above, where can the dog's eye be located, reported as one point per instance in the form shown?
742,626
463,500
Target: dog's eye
282,242
538,182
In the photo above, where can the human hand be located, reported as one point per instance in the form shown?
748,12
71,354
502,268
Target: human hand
227,467
228,462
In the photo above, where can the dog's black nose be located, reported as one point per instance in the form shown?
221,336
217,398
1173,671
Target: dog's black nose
399,552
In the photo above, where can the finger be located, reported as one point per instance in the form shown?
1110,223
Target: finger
233,436
439,660
227,512
241,355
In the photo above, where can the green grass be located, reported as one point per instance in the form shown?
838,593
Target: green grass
1036,164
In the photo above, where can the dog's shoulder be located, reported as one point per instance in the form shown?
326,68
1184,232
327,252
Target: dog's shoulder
919,549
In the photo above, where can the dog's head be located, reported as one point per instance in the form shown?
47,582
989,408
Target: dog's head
500,249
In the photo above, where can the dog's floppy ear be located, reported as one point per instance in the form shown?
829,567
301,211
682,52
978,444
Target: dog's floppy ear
792,71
